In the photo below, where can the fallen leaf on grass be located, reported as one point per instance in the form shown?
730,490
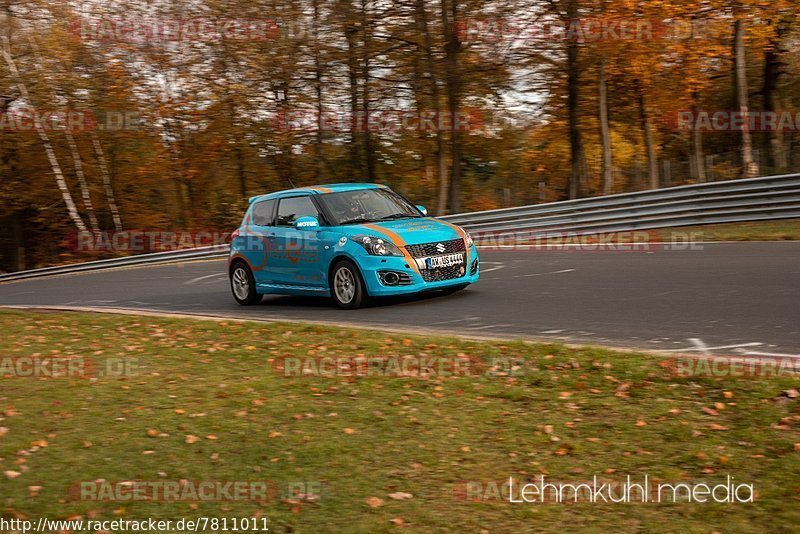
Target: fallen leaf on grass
180,412
400,496
709,411
3,431
797,447
374,502
791,393
397,521
349,431
11,475
152,432
715,426
727,394
211,437
641,423
191,439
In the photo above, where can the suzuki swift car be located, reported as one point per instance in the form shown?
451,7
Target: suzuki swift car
347,241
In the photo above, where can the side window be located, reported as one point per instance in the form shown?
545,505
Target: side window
262,212
291,209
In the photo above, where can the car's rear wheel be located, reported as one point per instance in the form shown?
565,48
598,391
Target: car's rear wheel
243,285
347,287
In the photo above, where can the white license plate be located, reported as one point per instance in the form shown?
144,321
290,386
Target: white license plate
448,260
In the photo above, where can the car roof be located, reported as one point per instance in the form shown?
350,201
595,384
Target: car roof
318,190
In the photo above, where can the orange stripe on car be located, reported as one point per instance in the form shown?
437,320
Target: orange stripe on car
398,242
319,189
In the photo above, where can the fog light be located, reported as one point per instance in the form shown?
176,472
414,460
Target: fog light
391,279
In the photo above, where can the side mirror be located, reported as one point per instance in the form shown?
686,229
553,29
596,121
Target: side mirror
422,209
306,223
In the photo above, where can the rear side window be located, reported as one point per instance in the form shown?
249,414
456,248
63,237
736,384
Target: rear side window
291,209
262,212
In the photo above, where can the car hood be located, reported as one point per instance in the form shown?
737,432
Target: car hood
409,231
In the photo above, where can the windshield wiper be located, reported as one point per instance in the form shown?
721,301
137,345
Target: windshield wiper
357,220
398,216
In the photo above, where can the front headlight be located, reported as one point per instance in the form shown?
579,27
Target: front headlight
377,246
467,239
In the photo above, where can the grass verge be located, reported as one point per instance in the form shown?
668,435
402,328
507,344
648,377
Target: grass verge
208,401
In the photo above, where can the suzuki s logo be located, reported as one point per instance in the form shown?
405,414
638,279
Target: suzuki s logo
440,248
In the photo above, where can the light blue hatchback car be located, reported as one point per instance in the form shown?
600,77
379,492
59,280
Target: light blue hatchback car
347,241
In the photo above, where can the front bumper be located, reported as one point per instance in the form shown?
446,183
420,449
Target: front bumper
372,265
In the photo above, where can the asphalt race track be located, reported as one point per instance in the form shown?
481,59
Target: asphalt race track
731,298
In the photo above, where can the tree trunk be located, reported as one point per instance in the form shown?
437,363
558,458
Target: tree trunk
652,160
453,89
698,154
776,157
101,162
605,134
73,148
578,170
350,31
749,166
84,187
369,143
441,156
48,147
318,142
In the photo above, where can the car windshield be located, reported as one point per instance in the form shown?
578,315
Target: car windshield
367,205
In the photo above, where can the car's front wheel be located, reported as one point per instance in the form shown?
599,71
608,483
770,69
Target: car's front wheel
347,287
243,285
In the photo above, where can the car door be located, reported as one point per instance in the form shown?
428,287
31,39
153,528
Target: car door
296,260
261,233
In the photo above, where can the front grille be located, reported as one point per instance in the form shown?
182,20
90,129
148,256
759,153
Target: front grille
444,273
474,268
429,249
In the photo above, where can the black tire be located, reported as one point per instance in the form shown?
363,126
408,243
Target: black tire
347,287
243,284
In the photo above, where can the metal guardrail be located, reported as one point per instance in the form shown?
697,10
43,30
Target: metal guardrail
126,261
753,199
